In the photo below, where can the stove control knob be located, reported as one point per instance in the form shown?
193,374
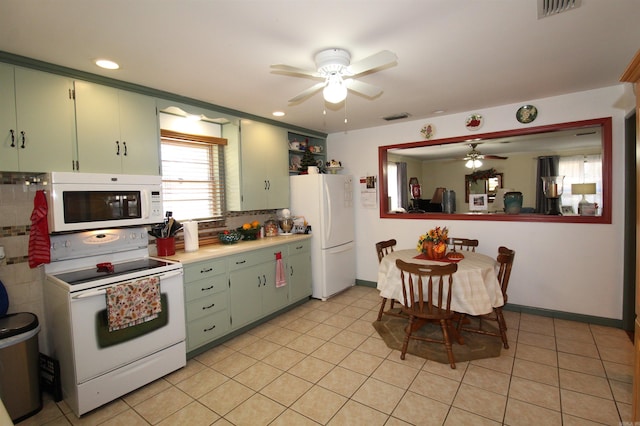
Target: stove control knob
67,243
134,236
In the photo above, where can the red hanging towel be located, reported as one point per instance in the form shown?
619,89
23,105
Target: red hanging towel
39,235
281,279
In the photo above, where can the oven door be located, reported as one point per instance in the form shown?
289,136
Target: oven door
97,351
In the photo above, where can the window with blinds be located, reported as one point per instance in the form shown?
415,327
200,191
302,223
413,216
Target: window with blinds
193,176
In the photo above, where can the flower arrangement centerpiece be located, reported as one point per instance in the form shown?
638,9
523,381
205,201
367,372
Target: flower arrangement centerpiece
433,244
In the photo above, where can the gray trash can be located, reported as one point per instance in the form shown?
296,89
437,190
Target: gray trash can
19,365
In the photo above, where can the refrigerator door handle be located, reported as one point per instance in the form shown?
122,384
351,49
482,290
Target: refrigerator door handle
345,247
327,211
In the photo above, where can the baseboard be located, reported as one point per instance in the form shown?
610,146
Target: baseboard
608,322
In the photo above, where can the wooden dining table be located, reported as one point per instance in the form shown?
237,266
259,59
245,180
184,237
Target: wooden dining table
475,290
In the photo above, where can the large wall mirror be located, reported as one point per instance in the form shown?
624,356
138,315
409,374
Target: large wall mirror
498,162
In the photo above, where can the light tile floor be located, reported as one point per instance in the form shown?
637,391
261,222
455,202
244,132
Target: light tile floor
323,363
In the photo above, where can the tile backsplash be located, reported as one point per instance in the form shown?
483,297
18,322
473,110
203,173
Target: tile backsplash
23,284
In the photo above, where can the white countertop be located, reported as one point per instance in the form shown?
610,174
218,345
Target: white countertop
220,250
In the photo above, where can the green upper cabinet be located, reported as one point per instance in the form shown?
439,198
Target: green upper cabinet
37,121
256,161
117,131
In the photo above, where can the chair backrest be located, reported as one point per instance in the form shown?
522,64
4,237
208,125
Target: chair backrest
505,260
463,244
384,248
426,289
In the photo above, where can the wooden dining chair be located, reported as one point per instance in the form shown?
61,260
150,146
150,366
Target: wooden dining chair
505,260
426,290
383,248
462,244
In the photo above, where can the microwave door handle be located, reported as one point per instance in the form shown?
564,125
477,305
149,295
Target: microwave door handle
146,203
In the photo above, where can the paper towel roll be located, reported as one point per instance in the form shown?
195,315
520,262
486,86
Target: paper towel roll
190,236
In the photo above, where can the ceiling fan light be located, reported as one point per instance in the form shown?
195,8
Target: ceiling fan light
472,164
335,91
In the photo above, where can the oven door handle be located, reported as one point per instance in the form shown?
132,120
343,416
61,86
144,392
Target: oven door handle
103,291
89,294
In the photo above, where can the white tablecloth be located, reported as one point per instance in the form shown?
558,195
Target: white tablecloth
476,290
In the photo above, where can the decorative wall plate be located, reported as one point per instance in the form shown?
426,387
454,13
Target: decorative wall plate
474,122
526,114
427,131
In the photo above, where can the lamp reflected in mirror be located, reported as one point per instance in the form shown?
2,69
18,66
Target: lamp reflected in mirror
583,189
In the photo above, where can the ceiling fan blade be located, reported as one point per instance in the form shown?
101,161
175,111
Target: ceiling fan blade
377,60
308,92
495,157
288,69
366,89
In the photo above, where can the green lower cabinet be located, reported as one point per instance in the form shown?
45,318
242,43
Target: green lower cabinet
299,270
253,292
245,295
206,288
207,329
223,295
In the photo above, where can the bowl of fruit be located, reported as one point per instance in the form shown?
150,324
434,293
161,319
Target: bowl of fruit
229,236
250,231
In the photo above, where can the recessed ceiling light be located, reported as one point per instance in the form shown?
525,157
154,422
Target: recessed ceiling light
278,113
438,111
107,64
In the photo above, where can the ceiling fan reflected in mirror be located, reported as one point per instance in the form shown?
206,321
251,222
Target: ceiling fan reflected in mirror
473,157
338,75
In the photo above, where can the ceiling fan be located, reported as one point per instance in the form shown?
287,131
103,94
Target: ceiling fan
474,156
338,74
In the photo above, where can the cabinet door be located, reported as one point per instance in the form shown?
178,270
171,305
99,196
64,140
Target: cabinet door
278,172
8,120
265,177
139,133
99,145
273,298
45,113
244,295
299,271
117,131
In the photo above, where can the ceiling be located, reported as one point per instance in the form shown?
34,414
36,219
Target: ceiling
454,56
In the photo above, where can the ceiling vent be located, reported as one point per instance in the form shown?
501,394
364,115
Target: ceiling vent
552,7
398,116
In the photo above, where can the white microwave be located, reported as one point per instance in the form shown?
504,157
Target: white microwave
82,201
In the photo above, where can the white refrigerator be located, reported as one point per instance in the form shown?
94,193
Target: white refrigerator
326,202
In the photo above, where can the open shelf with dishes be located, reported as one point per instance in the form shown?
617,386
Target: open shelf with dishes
299,144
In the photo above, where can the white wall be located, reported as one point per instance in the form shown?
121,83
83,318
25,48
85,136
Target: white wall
574,268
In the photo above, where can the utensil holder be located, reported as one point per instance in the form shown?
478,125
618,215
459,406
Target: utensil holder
166,246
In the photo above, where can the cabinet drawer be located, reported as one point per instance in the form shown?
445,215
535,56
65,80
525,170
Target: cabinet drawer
299,247
206,287
206,329
255,257
198,271
206,306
